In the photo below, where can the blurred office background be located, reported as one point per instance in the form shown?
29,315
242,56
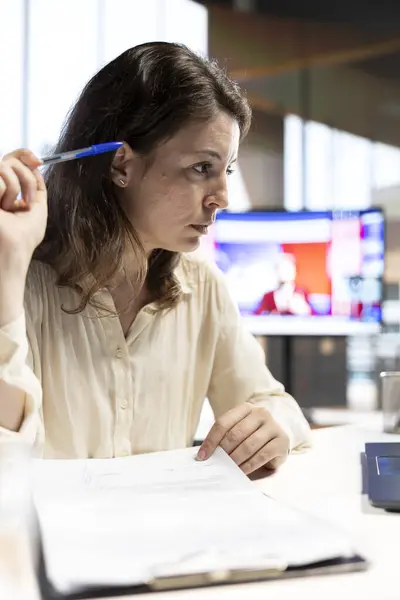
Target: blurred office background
324,83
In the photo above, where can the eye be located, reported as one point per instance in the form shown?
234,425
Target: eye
202,168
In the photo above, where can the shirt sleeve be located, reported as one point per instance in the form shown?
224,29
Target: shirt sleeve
240,373
19,351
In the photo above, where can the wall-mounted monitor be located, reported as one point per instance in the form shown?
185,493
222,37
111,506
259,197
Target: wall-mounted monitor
303,273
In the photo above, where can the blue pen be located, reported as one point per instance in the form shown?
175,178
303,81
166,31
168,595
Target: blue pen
73,154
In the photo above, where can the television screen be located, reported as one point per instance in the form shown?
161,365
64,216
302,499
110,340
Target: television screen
303,272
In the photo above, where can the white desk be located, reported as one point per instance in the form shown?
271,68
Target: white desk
332,416
327,482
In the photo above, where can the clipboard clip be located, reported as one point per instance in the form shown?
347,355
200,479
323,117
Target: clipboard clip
212,568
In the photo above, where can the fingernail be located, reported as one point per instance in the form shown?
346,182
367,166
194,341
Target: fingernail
19,204
201,455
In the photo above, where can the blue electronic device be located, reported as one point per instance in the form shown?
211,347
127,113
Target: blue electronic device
381,475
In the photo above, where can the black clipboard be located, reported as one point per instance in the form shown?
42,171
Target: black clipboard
194,580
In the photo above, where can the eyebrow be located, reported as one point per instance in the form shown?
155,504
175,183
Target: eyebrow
213,153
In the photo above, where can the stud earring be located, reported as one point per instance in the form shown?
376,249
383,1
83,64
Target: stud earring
122,182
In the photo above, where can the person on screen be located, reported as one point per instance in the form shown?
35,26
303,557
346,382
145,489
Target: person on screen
111,333
287,298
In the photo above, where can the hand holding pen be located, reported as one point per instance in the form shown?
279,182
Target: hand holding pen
23,201
17,186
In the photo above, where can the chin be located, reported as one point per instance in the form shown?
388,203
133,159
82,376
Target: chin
187,245
192,245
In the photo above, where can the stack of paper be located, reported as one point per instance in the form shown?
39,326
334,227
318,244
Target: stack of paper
127,521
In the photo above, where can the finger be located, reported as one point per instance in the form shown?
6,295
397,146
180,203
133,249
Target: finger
39,202
3,188
13,188
268,453
252,444
221,427
26,178
41,193
41,186
241,431
276,462
27,157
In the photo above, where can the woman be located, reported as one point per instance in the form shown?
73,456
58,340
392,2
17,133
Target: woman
287,298
111,337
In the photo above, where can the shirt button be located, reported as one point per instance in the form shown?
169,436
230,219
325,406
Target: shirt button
119,353
124,404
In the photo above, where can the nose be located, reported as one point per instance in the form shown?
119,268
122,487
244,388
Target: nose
217,199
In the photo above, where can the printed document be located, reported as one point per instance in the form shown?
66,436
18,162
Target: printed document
126,521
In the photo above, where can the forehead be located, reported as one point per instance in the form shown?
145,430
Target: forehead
220,135
286,262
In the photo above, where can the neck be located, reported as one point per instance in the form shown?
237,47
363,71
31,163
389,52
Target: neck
129,274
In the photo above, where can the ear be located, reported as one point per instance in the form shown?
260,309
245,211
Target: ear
124,166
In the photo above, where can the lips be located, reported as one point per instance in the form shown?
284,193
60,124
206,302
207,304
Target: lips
203,229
